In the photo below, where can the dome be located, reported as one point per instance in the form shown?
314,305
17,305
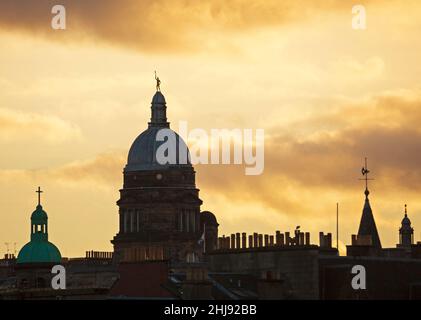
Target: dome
158,98
39,249
39,252
406,221
142,154
209,218
39,214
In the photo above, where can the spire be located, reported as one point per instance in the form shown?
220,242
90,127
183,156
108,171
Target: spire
406,223
365,173
39,221
367,224
406,232
158,108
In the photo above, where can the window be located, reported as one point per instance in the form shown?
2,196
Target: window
138,215
192,221
125,215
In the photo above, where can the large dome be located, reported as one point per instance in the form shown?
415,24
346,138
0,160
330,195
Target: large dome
143,152
39,252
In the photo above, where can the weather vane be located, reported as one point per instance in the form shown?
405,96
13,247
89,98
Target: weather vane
365,173
158,82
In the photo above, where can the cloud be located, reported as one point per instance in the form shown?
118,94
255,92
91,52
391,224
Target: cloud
159,25
104,169
304,177
348,68
19,126
385,129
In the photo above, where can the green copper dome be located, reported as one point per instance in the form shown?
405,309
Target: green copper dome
39,215
39,252
39,249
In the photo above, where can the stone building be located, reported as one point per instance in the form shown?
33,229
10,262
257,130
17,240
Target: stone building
167,248
159,205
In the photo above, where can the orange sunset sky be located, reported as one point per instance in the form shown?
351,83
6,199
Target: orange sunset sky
72,102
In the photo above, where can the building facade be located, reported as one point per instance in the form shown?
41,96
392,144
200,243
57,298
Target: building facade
159,205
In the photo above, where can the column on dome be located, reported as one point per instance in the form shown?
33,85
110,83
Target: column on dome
121,217
132,220
125,214
192,221
187,219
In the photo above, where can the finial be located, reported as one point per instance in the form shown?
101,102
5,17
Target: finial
365,173
39,191
158,82
406,210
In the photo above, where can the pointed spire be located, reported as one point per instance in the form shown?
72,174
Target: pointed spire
367,224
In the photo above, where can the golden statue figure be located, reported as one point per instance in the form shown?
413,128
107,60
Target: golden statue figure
158,83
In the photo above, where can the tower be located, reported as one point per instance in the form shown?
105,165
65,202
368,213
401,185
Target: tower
39,249
38,256
406,232
367,228
159,205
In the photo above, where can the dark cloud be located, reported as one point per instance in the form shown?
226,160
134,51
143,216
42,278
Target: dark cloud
385,130
158,25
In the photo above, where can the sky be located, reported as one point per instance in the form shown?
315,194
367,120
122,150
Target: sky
72,101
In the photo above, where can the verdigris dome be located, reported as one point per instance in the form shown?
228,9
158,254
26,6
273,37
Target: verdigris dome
144,150
39,215
39,252
39,249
